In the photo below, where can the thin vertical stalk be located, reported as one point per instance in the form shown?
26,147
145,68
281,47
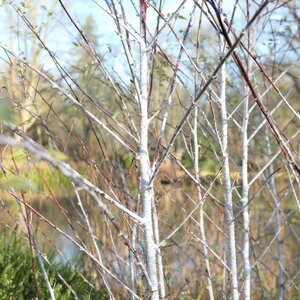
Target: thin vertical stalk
100,260
197,174
272,188
162,289
38,253
201,200
42,267
244,201
245,183
230,222
132,262
147,192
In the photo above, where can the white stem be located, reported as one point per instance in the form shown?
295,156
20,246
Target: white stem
132,261
227,182
43,270
201,201
145,174
245,182
244,200
162,289
100,261
272,187
38,253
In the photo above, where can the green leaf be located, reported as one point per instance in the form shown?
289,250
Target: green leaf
19,154
6,113
58,155
18,183
127,160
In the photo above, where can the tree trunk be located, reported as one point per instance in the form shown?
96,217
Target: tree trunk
227,181
147,192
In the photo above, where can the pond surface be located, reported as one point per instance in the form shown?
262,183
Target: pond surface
46,235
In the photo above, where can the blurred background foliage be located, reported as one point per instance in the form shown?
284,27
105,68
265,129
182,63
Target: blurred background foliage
45,115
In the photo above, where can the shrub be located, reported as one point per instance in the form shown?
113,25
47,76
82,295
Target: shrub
16,279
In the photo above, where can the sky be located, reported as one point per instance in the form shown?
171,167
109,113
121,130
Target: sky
61,35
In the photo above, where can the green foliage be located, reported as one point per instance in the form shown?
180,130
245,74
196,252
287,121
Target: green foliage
58,155
18,183
5,111
186,161
33,181
127,160
16,280
54,178
19,155
208,166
